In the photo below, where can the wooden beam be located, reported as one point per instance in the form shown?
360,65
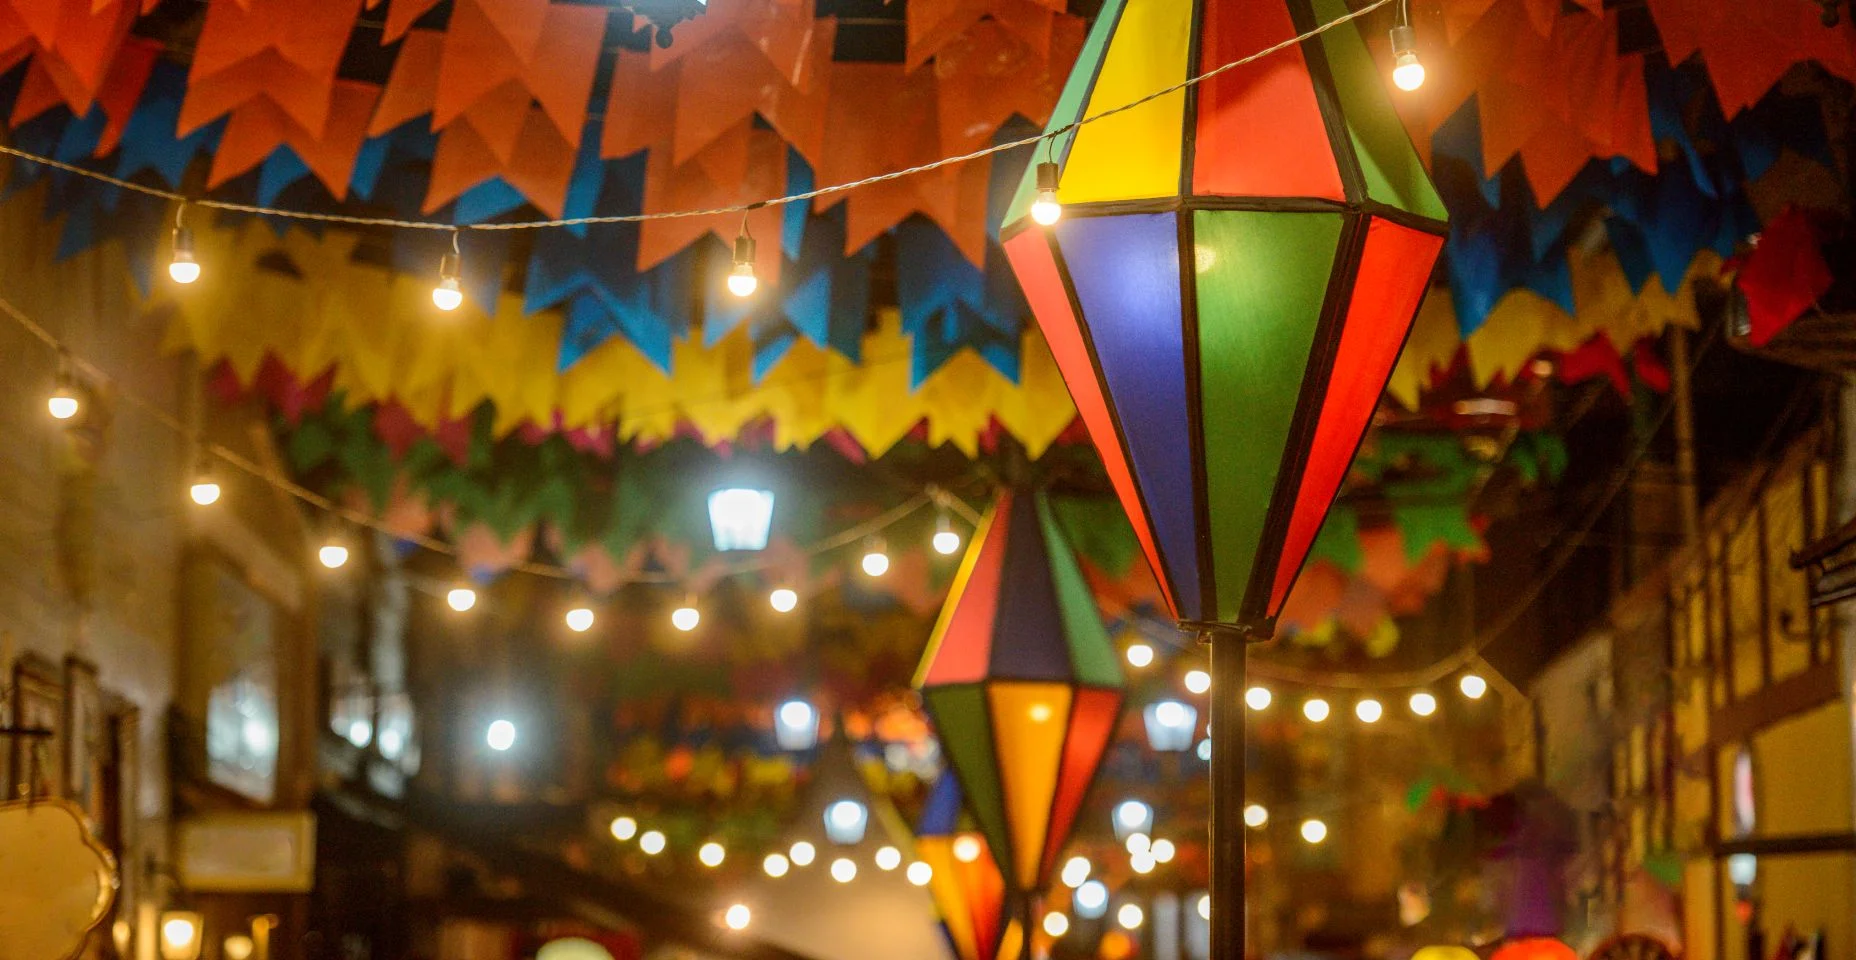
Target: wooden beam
1788,846
1740,719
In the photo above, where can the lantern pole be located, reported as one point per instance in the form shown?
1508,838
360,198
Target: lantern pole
1228,647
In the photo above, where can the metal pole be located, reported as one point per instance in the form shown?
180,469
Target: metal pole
1227,827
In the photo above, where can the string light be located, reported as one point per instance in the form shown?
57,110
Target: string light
1407,72
1473,686
783,600
741,279
1130,916
946,540
1140,655
843,870
63,403
332,554
652,842
1257,698
1423,704
1056,924
1075,871
966,848
205,487
1163,850
776,865
1314,831
500,735
624,828
449,294
1369,710
920,873
1316,710
875,562
802,853
182,267
1141,863
888,858
738,917
1046,209
686,617
711,854
1198,681
1256,815
580,619
1205,906
461,599
1138,843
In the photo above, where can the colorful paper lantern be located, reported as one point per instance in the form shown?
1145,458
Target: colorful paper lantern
1445,952
969,894
1023,685
1231,281
1534,948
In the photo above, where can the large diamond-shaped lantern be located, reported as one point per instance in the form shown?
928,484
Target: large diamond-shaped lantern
1023,686
1233,276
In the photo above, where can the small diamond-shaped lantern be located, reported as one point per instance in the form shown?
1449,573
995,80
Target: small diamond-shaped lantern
1023,685
1231,280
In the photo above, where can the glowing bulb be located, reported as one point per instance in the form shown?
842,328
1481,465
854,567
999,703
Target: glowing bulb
783,600
332,555
182,267
1314,831
1139,843
624,828
946,541
205,489
1369,710
62,404
802,853
888,858
1163,850
1056,924
652,842
1133,815
1198,681
1205,906
1407,72
741,279
1316,710
776,865
237,947
1046,209
966,848
1257,698
1130,916
461,599
738,917
180,932
685,618
843,870
1040,713
1091,899
920,873
876,562
1473,687
580,619
1256,815
501,735
1423,704
1075,871
1141,863
1140,655
448,295
711,854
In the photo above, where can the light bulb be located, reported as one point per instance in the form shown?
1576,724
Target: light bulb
1314,831
875,562
1423,704
802,853
1316,710
738,917
580,619
1205,906
63,403
741,279
686,617
237,947
946,541
1473,686
888,858
624,828
182,267
1407,72
920,873
1075,871
783,600
966,848
1140,655
1046,210
1056,924
1256,815
501,735
1257,698
1141,863
1138,843
1369,710
711,854
1163,850
652,842
448,295
843,870
1198,681
776,865
332,555
1130,916
461,599
205,490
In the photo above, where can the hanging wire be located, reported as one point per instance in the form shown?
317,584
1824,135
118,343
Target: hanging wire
743,208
